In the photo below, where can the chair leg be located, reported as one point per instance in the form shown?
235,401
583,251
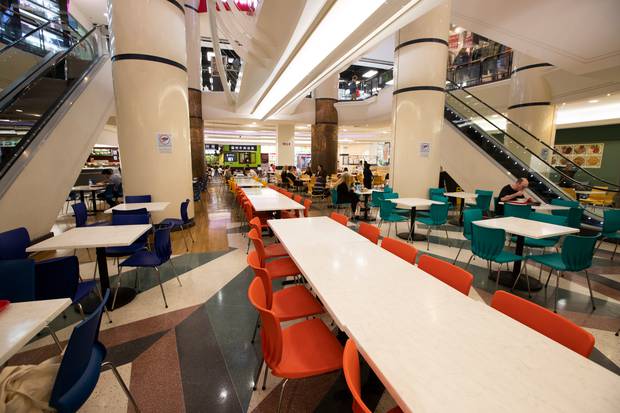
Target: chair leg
599,245
121,382
247,251
265,377
104,307
54,337
428,239
614,253
257,377
499,271
469,260
118,285
389,228
79,306
281,394
548,277
161,286
590,288
555,294
255,329
457,254
184,239
176,274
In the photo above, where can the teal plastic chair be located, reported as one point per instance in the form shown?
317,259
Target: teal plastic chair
545,242
576,255
516,210
611,226
335,203
436,194
488,244
387,189
400,211
375,199
469,216
483,201
438,216
387,214
574,216
565,202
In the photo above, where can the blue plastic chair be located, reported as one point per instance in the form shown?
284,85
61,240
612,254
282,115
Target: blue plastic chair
469,216
576,255
80,213
180,223
13,244
137,199
60,278
611,226
438,217
150,259
387,214
81,366
17,282
488,244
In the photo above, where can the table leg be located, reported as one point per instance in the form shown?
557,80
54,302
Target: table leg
366,201
94,195
461,212
125,294
411,235
507,278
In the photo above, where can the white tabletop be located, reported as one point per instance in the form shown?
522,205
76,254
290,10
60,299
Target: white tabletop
414,202
527,227
20,322
266,199
549,207
92,237
364,191
150,206
88,188
435,349
464,195
314,231
249,183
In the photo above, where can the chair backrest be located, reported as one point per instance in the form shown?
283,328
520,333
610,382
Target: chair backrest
256,224
258,246
390,195
370,232
138,217
454,276
387,189
439,213
611,221
483,200
544,321
118,212
57,278
351,370
577,252
517,210
78,372
263,275
17,280
548,218
81,214
487,243
334,195
271,332
469,216
376,197
297,198
184,215
574,217
307,205
436,194
565,202
137,199
13,244
163,246
386,208
342,219
399,248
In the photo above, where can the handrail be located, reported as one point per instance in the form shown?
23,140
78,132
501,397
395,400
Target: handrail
555,151
14,42
48,21
526,148
478,61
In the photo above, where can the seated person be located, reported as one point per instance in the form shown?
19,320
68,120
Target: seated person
112,182
345,190
512,192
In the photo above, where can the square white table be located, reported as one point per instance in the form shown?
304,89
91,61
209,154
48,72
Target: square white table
366,194
413,204
93,189
150,207
523,228
267,199
434,349
99,238
20,322
465,196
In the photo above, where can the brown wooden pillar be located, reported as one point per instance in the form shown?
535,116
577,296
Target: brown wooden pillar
324,135
196,131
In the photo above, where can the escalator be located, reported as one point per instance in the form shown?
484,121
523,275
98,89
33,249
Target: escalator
517,153
52,110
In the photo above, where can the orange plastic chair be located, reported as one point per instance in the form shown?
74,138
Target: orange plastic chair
401,249
351,369
454,276
297,198
370,232
307,205
544,321
271,250
287,194
278,268
343,219
305,349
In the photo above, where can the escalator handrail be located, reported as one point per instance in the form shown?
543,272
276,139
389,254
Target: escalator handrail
27,34
555,151
525,148
53,108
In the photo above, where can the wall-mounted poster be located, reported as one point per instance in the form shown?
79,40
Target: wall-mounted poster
585,155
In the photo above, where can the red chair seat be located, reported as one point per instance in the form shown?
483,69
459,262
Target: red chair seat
308,349
275,251
281,268
295,302
289,214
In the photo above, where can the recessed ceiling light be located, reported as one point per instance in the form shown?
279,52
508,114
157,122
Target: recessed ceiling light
593,101
563,103
609,94
369,74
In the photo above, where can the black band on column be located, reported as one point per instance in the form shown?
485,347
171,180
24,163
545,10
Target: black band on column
333,99
194,89
176,4
188,6
518,69
422,40
325,123
523,105
148,57
418,88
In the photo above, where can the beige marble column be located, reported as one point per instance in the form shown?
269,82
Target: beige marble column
285,135
194,80
149,72
324,132
417,115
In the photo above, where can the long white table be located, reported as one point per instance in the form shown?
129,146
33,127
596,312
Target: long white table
267,199
20,322
99,238
434,349
413,204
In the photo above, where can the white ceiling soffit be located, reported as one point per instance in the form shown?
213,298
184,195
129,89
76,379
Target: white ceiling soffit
94,10
348,29
575,35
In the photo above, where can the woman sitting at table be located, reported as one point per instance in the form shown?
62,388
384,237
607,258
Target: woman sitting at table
345,191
